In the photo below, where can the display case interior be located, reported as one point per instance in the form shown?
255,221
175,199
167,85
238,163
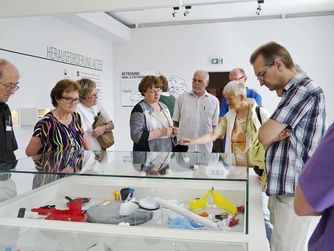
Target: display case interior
155,196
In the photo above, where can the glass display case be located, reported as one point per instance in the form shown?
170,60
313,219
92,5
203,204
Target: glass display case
23,238
165,198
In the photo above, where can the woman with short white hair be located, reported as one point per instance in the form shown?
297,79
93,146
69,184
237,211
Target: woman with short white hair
239,125
88,108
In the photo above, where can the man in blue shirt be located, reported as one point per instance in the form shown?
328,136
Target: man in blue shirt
239,75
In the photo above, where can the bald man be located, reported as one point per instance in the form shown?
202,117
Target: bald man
239,74
9,77
196,112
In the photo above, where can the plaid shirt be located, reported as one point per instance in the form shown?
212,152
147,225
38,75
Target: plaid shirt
303,109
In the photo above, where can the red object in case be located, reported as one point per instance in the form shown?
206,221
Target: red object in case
241,209
234,221
73,213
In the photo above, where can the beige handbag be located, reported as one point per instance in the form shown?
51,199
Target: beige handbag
107,138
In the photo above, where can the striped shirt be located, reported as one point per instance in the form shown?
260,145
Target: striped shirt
55,136
302,108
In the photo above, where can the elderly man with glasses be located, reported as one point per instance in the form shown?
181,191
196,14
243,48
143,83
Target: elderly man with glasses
239,74
196,112
290,136
9,77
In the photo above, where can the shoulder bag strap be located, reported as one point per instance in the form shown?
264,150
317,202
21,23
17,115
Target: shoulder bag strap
258,113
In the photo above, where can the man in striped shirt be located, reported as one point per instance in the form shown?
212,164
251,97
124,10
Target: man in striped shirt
290,136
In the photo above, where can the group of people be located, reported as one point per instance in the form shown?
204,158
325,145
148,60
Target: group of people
290,136
68,127
297,159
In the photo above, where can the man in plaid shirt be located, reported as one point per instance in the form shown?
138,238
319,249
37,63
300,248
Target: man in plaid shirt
290,136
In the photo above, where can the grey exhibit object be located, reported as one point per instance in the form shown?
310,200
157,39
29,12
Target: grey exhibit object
108,212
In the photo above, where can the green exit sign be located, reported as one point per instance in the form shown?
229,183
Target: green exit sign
216,61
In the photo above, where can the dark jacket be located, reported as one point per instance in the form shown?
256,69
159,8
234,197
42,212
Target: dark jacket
8,142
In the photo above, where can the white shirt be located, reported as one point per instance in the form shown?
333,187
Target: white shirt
87,115
196,117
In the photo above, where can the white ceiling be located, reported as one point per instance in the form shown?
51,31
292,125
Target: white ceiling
91,15
220,11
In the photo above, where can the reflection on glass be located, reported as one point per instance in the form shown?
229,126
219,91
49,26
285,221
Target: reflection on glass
67,162
151,163
178,165
7,187
24,238
7,184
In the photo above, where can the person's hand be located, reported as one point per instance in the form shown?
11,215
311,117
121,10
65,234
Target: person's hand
279,93
98,131
166,132
186,141
68,169
283,135
112,124
154,171
175,131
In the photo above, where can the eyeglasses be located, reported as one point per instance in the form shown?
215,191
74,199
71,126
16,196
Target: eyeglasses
260,76
198,80
70,100
93,96
11,86
154,91
237,79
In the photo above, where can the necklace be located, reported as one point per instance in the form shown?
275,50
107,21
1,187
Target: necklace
64,119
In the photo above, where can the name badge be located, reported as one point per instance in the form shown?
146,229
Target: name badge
9,128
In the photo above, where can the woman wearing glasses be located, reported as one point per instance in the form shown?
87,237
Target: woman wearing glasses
88,108
61,128
151,125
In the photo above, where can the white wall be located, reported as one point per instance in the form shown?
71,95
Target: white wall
32,36
176,50
180,50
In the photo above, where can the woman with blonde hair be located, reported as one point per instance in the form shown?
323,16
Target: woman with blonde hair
88,108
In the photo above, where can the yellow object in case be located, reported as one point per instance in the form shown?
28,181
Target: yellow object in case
218,199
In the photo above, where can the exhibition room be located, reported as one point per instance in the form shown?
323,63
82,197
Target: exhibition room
155,175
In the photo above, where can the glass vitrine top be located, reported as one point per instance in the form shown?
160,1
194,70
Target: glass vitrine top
220,166
24,238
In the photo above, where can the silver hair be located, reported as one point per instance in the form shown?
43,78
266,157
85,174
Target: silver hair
3,64
235,88
206,74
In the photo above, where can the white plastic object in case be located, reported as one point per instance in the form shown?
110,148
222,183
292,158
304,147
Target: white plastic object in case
149,203
127,208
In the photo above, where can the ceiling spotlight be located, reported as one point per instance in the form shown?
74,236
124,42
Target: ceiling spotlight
175,10
258,10
259,7
187,12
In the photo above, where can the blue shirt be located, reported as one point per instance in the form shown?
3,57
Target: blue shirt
250,94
